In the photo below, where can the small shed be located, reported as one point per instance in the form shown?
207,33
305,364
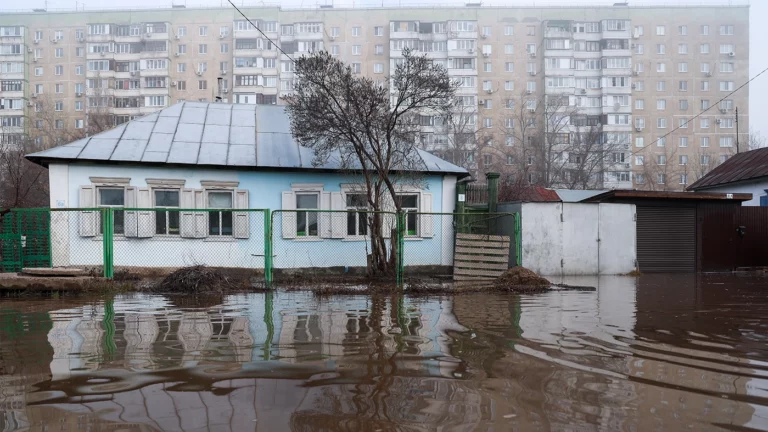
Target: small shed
690,231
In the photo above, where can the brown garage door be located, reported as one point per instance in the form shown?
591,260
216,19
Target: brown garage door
666,239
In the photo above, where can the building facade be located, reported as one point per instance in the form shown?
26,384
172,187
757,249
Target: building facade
541,90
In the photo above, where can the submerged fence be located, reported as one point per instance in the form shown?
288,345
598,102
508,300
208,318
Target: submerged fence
276,244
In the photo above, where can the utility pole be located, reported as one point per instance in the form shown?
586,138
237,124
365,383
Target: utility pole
737,130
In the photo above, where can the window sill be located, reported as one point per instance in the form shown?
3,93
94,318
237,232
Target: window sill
219,239
308,239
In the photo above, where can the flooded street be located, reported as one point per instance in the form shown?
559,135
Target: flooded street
654,353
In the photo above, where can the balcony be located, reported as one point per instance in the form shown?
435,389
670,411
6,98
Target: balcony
99,92
617,72
100,38
127,39
157,36
127,56
127,92
305,36
462,72
616,34
12,58
154,55
404,34
127,75
472,52
100,56
587,54
154,91
549,71
12,94
558,53
617,52
100,74
127,111
558,33
153,72
613,109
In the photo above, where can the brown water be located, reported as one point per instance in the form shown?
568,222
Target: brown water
658,353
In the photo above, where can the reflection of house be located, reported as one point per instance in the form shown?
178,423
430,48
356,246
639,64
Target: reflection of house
280,360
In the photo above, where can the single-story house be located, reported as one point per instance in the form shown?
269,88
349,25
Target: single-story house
226,157
743,173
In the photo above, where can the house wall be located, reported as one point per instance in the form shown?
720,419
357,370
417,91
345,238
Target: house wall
265,192
578,239
757,188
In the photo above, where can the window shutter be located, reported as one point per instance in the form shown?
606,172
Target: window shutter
240,220
131,220
201,217
87,220
289,217
145,218
187,218
425,220
337,219
325,216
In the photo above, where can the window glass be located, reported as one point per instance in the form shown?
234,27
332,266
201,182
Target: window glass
410,205
167,222
306,222
113,197
357,222
220,222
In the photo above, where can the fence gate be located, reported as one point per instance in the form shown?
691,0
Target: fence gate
25,240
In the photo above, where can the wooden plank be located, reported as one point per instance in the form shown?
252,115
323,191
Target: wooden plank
474,272
472,278
482,244
488,266
482,237
481,258
465,250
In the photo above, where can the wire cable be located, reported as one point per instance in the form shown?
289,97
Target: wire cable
262,33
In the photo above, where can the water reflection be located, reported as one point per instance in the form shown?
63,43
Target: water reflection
665,353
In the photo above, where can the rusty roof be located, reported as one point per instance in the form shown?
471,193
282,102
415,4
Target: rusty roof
632,194
743,166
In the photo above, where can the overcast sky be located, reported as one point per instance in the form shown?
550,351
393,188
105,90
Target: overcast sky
758,28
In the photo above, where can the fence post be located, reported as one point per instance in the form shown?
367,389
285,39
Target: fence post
267,247
518,241
399,263
461,201
493,200
108,226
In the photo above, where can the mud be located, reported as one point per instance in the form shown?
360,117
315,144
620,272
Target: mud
646,353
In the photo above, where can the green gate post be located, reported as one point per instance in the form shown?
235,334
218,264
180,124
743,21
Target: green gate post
518,241
108,243
461,200
493,200
400,245
267,248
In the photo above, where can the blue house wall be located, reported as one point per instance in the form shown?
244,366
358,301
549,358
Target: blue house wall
265,191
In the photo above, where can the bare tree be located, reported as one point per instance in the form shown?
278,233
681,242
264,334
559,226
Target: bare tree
756,140
22,183
462,138
661,169
368,127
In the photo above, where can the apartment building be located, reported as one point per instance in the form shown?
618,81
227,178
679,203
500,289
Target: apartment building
615,81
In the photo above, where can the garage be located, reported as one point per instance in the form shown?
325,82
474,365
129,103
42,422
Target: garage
666,239
676,232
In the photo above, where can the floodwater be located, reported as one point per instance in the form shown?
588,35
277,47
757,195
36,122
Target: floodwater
654,353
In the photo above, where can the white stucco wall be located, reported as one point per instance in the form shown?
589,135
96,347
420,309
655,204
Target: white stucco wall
265,189
757,188
578,239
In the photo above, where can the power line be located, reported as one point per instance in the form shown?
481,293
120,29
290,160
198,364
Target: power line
262,33
701,113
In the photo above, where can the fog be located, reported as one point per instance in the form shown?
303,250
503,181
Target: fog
758,30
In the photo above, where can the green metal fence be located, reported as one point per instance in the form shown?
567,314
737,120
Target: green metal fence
276,244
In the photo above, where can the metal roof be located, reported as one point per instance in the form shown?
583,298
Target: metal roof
208,134
743,166
638,195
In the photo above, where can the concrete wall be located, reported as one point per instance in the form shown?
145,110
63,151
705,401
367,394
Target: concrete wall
757,188
578,239
265,191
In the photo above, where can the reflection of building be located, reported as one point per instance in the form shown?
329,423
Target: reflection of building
281,360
